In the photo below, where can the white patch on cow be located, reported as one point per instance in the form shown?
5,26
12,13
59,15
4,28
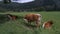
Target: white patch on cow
37,14
10,17
39,17
26,20
43,25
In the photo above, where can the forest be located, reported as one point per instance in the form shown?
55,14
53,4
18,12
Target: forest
37,5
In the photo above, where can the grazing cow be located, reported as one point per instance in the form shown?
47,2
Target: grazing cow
47,25
33,17
11,17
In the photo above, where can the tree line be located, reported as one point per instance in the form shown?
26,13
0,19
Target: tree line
48,5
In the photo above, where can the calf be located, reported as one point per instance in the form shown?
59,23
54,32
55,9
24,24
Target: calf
11,17
33,17
47,25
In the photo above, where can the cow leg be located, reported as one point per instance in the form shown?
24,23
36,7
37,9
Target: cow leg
26,20
29,22
39,20
37,24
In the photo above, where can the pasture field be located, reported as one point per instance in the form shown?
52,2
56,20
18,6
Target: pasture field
18,26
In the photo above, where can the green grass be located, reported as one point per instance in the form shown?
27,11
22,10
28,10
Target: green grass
17,27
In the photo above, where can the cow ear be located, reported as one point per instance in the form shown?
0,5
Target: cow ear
51,22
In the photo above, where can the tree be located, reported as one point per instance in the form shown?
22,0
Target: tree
48,3
7,1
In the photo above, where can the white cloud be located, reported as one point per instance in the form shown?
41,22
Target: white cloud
0,0
22,1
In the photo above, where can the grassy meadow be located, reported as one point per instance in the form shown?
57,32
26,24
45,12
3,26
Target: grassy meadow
18,26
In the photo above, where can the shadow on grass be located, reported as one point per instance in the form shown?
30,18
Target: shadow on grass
12,32
3,18
20,17
30,26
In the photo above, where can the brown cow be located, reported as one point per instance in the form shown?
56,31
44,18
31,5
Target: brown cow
33,17
11,17
47,25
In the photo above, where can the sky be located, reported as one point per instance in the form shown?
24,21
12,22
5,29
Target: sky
0,0
21,1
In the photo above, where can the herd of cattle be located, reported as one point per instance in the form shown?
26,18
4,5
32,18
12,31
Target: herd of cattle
28,18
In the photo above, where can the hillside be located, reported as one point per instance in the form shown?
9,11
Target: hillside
19,27
35,5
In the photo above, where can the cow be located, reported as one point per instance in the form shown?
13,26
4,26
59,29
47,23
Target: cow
48,24
11,17
33,17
